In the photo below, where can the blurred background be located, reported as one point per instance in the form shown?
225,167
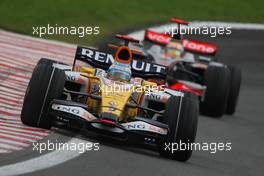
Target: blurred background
114,16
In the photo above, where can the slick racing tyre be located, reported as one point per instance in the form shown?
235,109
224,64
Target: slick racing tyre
235,82
46,84
181,116
46,61
217,81
49,62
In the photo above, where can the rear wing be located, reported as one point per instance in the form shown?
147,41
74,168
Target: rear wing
179,21
135,54
176,35
127,39
199,47
157,37
98,59
193,46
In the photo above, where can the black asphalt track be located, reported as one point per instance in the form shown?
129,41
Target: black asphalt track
245,130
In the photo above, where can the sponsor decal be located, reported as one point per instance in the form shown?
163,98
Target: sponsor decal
156,37
71,78
199,47
97,55
78,111
161,97
75,77
153,96
143,126
104,58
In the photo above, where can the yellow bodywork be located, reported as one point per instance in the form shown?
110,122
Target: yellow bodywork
113,99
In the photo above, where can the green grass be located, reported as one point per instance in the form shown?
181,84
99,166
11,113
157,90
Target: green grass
118,15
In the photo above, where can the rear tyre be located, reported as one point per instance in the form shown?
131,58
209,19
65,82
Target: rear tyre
235,83
217,81
181,115
46,84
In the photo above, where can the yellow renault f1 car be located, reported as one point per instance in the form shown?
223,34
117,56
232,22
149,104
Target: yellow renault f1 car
110,96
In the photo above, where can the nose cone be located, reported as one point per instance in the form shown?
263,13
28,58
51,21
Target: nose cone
123,55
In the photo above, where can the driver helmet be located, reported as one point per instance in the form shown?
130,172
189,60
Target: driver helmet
174,49
120,72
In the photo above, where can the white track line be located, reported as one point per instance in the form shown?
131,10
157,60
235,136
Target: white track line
10,111
11,95
5,59
14,86
42,162
4,151
10,118
13,142
10,121
35,133
21,134
10,107
21,126
4,89
6,102
10,146
19,138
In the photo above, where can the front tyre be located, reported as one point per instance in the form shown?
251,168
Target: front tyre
181,115
46,84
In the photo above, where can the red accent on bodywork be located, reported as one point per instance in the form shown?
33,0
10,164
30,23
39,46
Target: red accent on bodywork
181,86
156,37
127,38
179,21
133,51
121,60
110,122
199,47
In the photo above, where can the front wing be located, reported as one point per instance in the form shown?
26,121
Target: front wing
76,115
